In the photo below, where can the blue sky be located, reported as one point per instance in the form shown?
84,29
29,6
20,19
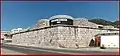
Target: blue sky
26,14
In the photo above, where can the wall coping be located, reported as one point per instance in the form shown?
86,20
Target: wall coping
62,26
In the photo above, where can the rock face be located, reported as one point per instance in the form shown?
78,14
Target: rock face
59,36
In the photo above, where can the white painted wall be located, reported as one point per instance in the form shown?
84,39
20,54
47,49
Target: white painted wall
110,41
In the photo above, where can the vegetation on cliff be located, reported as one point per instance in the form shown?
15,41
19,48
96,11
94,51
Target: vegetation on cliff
104,22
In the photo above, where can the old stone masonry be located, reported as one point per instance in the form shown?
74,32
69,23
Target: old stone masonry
60,31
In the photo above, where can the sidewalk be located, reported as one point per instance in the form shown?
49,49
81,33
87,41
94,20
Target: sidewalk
10,52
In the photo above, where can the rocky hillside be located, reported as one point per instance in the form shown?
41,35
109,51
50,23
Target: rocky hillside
104,22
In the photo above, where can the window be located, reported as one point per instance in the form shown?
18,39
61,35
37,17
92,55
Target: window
100,27
2,38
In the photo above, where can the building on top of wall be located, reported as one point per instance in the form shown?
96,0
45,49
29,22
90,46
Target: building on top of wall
64,20
61,20
68,20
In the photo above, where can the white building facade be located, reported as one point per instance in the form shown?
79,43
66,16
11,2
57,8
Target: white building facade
3,37
109,40
16,30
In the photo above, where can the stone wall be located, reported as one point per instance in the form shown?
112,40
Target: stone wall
84,23
41,23
58,37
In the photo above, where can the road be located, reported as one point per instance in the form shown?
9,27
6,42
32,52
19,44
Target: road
15,49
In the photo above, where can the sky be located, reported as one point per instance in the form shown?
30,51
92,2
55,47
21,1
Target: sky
26,14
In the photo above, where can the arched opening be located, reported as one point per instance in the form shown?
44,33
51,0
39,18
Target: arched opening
92,43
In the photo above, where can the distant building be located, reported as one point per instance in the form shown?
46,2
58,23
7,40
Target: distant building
3,33
108,27
16,30
3,37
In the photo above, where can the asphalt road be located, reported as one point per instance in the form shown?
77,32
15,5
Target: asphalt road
36,50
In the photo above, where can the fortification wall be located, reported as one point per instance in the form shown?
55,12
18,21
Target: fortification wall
57,37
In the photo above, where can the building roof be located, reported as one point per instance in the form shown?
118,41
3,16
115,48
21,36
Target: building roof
61,16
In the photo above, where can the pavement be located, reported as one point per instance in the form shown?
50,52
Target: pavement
19,49
10,52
